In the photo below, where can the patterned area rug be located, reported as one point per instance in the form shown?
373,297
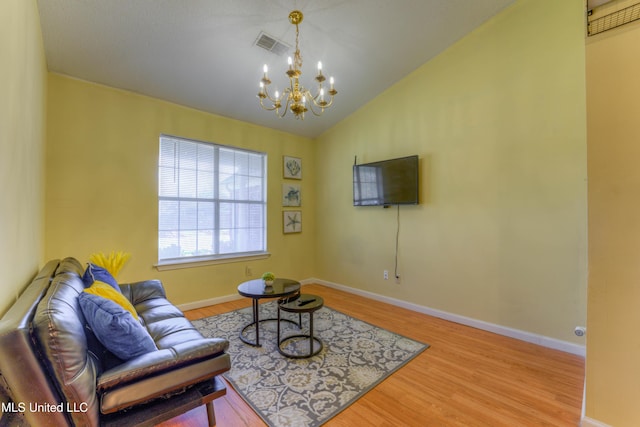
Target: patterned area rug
308,392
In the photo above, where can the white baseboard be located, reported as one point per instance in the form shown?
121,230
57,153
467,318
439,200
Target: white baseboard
542,340
219,300
590,422
207,302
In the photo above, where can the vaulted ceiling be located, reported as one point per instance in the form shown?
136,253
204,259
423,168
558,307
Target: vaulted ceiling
202,53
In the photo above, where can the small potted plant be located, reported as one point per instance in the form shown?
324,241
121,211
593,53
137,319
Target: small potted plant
268,278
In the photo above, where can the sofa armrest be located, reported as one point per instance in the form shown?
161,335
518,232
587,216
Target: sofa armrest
138,292
156,362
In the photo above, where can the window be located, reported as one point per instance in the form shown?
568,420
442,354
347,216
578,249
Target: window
367,185
212,201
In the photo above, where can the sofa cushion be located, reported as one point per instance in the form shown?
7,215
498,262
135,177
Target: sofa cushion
105,290
115,327
95,272
20,366
59,329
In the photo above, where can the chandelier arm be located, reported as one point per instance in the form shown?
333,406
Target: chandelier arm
312,102
330,103
286,105
323,104
265,107
268,95
313,110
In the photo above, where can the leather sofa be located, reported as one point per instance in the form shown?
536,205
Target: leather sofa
54,371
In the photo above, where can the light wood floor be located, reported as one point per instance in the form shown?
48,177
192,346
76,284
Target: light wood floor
467,377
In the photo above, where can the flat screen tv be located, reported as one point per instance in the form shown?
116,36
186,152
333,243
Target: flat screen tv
387,182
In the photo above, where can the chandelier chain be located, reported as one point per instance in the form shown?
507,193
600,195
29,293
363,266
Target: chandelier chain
297,57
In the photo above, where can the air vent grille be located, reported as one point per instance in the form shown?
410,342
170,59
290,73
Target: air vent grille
272,44
613,20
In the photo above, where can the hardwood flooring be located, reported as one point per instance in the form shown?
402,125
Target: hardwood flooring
468,377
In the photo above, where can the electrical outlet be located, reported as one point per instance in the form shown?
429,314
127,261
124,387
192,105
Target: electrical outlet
398,279
248,272
386,275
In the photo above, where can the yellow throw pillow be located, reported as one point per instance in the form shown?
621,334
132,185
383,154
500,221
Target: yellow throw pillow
107,291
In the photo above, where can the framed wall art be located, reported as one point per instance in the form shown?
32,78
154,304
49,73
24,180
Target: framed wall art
292,221
292,167
291,195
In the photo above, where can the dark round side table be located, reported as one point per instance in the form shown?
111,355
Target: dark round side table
305,303
284,289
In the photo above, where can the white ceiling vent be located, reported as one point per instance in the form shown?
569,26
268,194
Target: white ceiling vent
271,44
609,18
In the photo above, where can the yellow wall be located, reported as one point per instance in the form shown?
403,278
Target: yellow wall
22,130
102,157
613,93
499,122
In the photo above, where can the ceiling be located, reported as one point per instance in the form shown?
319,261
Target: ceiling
202,53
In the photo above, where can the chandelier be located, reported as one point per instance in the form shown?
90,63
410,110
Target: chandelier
296,97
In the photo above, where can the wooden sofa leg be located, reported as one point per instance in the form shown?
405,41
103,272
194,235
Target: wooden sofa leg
211,415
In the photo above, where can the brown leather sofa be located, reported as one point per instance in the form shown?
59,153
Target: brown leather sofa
54,371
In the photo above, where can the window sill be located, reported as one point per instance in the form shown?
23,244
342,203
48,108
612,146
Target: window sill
176,264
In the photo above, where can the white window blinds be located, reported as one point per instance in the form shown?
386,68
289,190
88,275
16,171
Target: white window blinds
212,200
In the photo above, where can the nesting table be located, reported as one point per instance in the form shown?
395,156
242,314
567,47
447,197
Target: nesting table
284,289
305,303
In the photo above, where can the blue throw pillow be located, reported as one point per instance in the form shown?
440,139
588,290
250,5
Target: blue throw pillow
95,272
115,327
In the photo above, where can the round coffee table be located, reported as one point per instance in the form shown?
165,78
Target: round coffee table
285,289
305,303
